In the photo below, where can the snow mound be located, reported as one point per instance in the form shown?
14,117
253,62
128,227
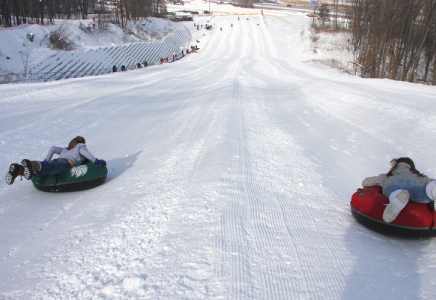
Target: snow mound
27,44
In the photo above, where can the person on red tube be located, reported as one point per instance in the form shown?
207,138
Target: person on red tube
402,183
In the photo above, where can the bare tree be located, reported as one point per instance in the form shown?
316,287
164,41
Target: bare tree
25,59
6,10
395,39
15,12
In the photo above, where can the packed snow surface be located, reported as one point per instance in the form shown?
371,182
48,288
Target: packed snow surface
230,176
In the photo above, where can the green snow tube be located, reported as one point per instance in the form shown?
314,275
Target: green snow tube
83,177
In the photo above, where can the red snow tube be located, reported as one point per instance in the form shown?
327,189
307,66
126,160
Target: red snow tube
415,220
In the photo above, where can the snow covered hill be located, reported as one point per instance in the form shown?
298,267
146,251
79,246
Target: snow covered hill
230,176
28,54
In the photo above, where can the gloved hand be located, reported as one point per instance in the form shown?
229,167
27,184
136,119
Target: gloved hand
100,162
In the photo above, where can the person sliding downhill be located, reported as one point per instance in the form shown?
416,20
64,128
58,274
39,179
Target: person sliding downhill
71,156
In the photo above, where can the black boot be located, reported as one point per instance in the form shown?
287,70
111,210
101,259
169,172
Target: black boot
14,171
30,167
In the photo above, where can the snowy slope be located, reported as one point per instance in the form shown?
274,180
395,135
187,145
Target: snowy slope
96,48
230,176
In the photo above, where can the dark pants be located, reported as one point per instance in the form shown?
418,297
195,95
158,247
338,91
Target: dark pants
56,166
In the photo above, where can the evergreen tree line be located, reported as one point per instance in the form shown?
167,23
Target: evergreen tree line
16,12
395,39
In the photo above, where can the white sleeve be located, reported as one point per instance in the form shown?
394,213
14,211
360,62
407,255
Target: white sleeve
372,181
84,151
53,150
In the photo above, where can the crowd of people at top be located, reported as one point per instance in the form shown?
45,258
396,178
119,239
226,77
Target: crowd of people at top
162,60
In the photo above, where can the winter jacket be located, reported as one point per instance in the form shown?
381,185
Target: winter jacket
402,171
76,156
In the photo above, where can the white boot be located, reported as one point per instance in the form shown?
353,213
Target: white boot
397,201
431,191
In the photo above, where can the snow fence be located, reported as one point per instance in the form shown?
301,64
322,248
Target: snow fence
73,64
